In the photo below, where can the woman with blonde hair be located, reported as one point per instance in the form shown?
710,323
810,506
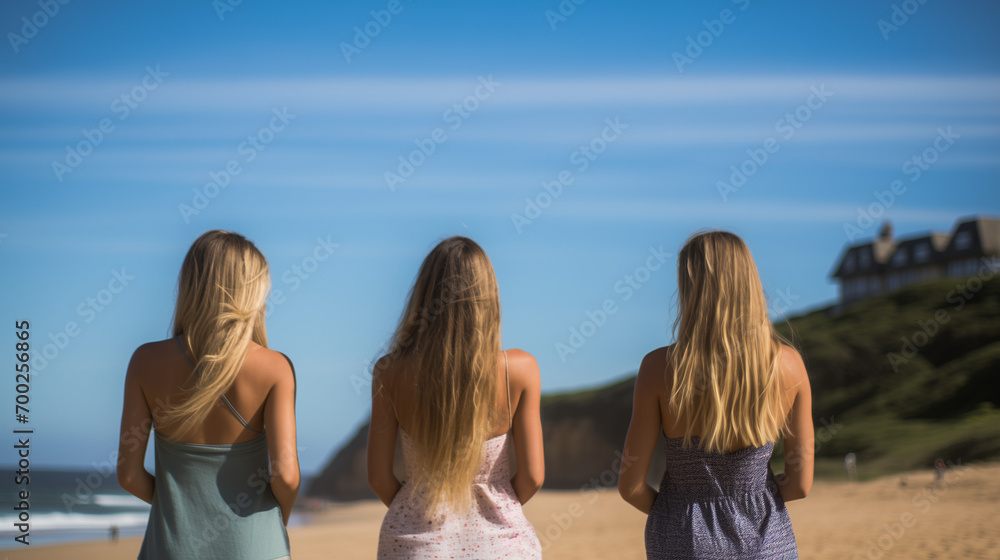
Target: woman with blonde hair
459,404
722,395
222,409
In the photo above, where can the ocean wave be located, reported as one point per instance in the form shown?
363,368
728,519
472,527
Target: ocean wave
119,501
59,521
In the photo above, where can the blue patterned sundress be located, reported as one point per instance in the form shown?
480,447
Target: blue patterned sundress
719,506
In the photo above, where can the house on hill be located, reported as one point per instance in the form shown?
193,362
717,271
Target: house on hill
886,264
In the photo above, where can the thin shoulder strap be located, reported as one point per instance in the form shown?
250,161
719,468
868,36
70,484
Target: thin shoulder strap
238,416
224,399
177,339
506,374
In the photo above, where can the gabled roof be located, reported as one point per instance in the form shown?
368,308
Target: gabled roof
972,236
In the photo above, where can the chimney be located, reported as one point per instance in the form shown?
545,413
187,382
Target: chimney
885,233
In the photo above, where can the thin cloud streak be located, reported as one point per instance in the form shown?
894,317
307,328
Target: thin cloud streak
178,94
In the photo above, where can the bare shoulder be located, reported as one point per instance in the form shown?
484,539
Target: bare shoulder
269,365
384,372
150,356
793,369
523,368
653,371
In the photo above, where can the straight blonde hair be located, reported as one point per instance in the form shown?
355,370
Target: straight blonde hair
447,343
221,302
725,359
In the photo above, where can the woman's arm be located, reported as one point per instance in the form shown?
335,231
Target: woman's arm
279,419
382,432
643,431
799,447
528,446
134,435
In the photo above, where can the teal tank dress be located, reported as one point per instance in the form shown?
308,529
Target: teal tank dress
214,501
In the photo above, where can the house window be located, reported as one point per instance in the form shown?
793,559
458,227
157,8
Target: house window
922,253
964,267
963,240
899,259
865,258
849,263
972,267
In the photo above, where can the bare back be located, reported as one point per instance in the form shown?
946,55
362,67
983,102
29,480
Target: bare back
164,371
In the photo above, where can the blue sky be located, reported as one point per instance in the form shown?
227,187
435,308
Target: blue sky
116,119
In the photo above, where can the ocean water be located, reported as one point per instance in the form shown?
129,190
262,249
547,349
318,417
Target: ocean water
69,506
72,506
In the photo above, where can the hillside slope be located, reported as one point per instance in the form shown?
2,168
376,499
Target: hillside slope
881,389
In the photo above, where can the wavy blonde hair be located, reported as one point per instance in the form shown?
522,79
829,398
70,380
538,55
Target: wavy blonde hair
448,342
726,381
221,302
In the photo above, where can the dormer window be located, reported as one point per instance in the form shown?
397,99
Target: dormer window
922,253
963,240
865,258
849,263
899,259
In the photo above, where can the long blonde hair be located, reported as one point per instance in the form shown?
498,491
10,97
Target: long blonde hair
726,381
221,302
448,342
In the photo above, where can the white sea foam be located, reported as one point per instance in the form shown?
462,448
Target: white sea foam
119,501
60,521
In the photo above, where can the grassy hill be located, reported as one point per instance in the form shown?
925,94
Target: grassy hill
905,378
899,380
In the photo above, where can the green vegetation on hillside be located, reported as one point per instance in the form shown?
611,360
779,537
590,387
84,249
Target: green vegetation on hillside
905,378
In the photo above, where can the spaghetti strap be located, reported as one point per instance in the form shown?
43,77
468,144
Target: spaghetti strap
238,415
224,399
177,339
506,374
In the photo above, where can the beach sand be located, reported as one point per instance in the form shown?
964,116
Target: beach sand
873,520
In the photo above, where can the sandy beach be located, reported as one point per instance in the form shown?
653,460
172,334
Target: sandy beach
873,520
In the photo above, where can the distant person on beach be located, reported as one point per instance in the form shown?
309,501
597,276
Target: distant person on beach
851,466
222,409
940,470
722,395
459,404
